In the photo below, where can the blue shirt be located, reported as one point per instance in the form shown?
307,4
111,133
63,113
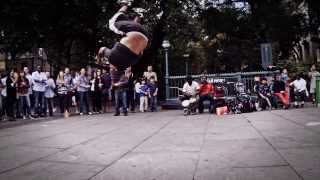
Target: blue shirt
144,89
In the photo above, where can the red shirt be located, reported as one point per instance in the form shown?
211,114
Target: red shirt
206,89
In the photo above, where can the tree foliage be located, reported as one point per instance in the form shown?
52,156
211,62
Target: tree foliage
219,35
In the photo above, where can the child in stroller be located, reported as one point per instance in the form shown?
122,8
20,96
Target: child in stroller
243,101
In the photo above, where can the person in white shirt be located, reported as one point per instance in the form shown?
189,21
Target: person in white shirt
191,90
137,89
3,96
300,91
49,93
39,86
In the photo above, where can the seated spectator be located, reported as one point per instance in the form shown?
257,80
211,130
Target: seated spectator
265,92
206,94
190,90
300,91
279,91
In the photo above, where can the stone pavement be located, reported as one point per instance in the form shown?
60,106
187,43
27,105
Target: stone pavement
276,145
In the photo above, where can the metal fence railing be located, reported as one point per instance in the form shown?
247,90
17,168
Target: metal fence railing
176,82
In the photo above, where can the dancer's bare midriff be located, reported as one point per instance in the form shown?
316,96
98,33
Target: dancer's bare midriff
135,42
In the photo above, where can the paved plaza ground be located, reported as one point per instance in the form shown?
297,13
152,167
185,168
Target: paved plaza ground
269,145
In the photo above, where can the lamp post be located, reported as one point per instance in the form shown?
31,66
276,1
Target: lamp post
166,46
186,58
40,54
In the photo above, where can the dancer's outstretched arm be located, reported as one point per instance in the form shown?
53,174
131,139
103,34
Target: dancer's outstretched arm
114,19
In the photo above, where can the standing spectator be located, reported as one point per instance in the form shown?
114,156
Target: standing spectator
3,96
206,93
83,90
68,83
49,94
23,95
1,100
265,92
284,76
137,89
144,94
153,88
313,74
300,91
39,87
120,84
130,92
29,77
149,73
62,93
75,97
95,91
16,104
11,84
106,94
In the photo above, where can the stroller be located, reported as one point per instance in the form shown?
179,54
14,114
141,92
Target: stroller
243,102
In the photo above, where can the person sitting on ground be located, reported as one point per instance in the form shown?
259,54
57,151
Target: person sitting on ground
265,92
206,94
190,90
134,41
300,91
279,91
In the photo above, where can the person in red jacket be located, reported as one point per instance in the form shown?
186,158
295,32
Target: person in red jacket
206,94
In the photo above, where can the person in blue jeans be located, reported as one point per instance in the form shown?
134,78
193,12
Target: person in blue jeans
120,86
153,88
144,95
83,90
39,87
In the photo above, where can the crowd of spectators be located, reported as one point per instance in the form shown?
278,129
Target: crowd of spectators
26,95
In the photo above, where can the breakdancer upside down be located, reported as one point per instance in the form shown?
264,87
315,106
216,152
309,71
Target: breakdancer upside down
134,41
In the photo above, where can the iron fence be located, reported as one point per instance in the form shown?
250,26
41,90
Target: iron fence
229,79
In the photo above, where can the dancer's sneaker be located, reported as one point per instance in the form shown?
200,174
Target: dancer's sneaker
125,2
139,11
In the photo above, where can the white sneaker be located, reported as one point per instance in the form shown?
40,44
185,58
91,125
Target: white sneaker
81,114
126,2
90,113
